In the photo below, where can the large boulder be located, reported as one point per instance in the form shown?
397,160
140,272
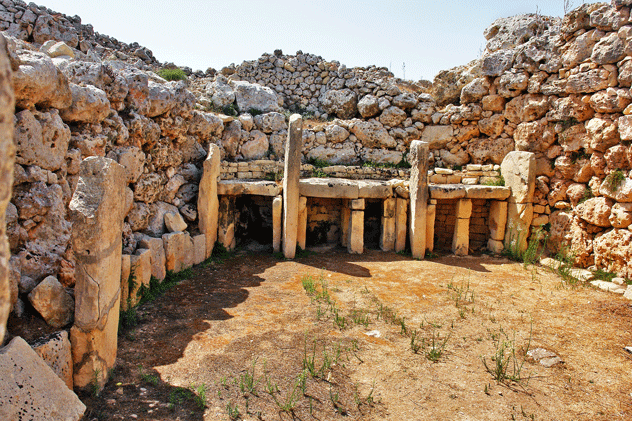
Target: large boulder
253,96
437,136
596,211
342,103
221,93
38,82
270,122
487,150
256,146
42,139
392,116
613,251
205,126
89,105
52,302
372,134
526,108
368,106
344,154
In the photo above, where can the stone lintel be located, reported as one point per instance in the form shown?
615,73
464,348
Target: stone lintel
332,188
374,189
256,188
487,192
447,191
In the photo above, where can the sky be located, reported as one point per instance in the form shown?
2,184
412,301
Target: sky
414,39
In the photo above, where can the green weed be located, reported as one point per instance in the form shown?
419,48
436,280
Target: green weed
172,74
614,180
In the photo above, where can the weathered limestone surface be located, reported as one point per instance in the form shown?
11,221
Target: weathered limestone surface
519,170
292,174
374,189
497,220
487,192
158,259
301,232
208,203
7,157
126,270
447,191
226,222
199,249
388,235
345,216
55,350
97,212
277,223
430,226
418,197
401,224
52,302
461,239
356,227
33,391
334,188
178,251
140,269
240,187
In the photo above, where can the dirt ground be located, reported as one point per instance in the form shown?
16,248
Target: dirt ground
374,337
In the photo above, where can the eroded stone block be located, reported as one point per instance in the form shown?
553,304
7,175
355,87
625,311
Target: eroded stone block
56,353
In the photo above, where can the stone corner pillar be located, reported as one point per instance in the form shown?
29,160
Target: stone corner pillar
7,157
208,203
461,239
519,170
97,210
291,178
418,197
355,243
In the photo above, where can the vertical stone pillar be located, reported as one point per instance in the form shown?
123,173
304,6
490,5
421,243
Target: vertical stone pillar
418,197
461,239
401,224
208,203
277,223
291,178
356,227
518,170
126,270
430,224
497,226
226,221
7,157
345,217
387,239
301,231
97,210
158,259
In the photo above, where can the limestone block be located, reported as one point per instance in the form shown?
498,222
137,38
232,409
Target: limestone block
291,189
208,203
495,246
175,245
437,136
430,226
55,350
241,187
34,391
487,192
89,105
418,197
140,270
301,233
464,209
277,223
447,191
357,204
356,232
461,239
497,220
174,222
158,259
519,170
335,188
126,268
388,234
52,302
226,222
401,224
374,189
519,217
345,220
199,249
94,351
188,251
623,193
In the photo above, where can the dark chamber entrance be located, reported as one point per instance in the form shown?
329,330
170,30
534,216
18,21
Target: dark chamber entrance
372,223
253,222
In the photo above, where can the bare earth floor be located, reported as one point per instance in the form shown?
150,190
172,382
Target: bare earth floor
255,338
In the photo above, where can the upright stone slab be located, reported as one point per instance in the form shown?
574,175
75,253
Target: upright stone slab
277,223
199,249
519,170
158,259
345,220
430,225
30,389
461,239
7,158
301,232
356,227
291,178
497,220
401,224
97,210
208,203
418,197
226,230
140,270
388,235
175,251
126,270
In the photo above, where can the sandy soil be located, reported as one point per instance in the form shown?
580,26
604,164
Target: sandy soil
240,337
